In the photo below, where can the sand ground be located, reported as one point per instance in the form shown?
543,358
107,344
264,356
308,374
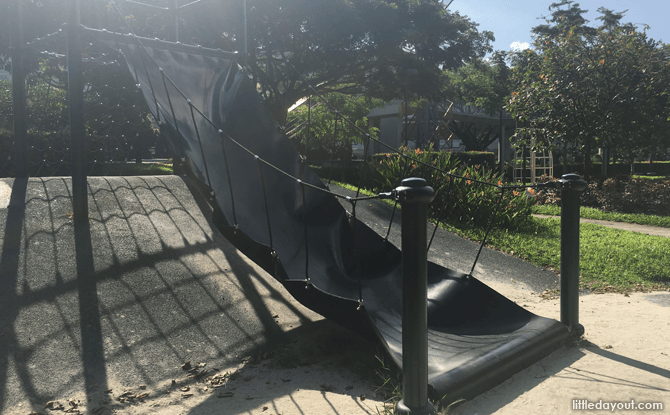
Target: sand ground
624,357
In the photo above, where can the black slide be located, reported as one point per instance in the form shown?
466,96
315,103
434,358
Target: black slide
290,225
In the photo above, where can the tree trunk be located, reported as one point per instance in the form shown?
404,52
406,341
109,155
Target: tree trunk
587,163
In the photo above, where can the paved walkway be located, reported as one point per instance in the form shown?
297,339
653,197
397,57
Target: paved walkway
649,230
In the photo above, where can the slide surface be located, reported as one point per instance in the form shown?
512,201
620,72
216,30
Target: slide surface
303,236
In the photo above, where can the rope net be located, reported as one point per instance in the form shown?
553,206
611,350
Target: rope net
119,126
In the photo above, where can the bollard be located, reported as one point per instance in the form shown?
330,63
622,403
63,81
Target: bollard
19,92
77,120
414,195
571,187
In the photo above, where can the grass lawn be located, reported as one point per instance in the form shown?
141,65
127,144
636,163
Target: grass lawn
131,169
610,259
592,213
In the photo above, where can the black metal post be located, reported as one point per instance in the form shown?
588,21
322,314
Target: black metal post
245,44
406,143
19,93
176,20
523,164
571,187
77,122
414,195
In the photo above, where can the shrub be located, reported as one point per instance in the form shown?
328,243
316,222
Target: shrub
469,199
621,194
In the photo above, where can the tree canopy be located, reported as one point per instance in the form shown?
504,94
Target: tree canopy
348,46
357,46
321,134
604,87
483,84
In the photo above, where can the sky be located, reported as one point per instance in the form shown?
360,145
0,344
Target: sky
511,20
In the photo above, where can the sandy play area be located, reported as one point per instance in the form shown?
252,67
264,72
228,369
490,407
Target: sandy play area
625,358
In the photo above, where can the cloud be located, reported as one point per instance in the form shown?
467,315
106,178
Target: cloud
518,46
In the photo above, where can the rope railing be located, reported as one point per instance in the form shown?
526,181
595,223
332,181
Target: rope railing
48,124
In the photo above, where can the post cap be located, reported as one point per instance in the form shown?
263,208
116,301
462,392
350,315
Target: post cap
572,181
414,190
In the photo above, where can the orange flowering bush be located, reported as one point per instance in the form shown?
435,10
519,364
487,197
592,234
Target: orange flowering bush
470,198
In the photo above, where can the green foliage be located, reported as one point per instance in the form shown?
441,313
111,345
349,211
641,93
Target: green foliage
356,46
610,259
484,84
348,46
473,158
593,213
117,119
592,88
45,106
314,132
481,83
114,109
621,194
469,158
472,199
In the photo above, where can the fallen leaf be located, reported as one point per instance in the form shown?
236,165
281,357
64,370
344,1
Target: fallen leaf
54,405
186,395
185,389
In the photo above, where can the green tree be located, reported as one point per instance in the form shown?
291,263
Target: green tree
590,89
484,84
321,134
356,46
348,46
